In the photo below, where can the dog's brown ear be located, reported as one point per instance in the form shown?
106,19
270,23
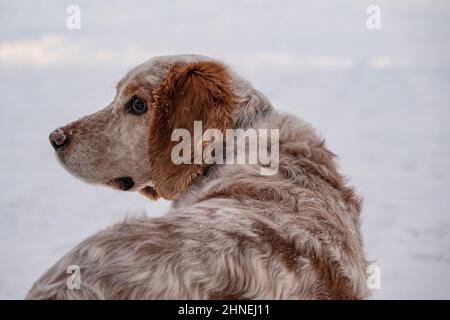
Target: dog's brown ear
199,91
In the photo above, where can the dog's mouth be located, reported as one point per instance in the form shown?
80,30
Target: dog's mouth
122,183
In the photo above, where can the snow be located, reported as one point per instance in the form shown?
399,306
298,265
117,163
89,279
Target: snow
381,99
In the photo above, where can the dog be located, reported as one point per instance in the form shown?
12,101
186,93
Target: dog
232,232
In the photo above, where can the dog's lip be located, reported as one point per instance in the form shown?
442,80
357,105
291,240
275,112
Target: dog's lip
122,183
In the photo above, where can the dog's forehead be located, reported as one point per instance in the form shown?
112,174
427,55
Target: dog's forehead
152,71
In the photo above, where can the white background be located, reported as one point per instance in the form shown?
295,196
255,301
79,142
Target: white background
381,99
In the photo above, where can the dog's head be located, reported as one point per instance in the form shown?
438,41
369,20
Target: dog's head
127,145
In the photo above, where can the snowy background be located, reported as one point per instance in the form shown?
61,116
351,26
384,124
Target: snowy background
380,97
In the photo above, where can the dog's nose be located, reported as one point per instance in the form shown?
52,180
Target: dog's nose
58,139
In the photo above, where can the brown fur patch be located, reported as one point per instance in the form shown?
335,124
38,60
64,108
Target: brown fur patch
129,89
191,92
285,248
150,193
337,286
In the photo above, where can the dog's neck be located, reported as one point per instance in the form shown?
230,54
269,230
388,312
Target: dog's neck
304,161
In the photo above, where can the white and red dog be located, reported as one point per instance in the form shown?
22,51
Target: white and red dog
232,233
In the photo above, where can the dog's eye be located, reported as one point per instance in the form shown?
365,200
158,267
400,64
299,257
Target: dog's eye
138,106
